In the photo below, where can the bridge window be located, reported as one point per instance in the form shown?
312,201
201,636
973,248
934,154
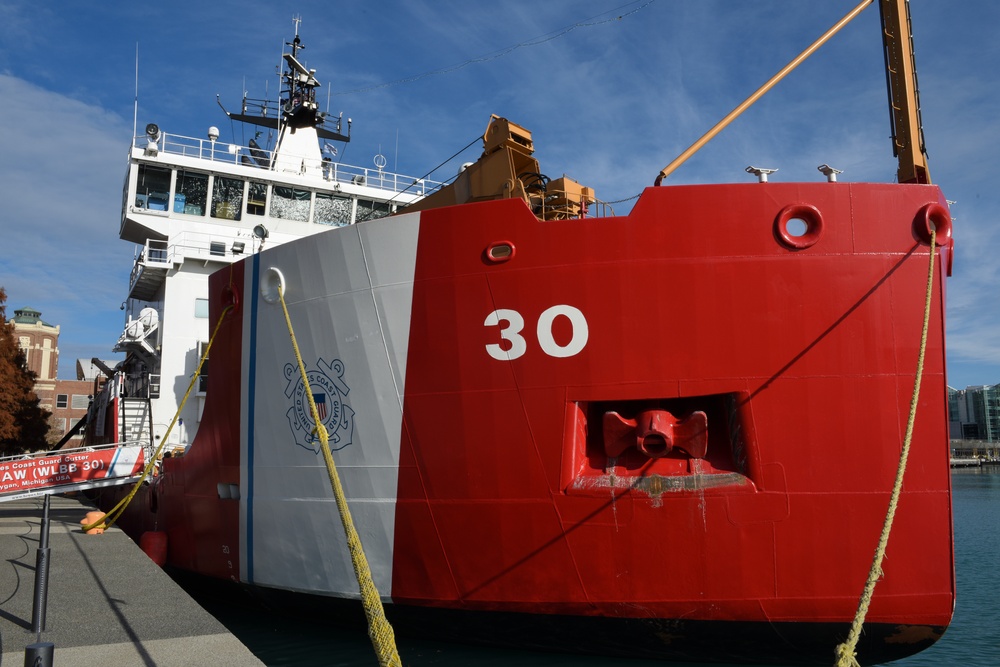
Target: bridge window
290,203
371,210
192,192
332,210
152,189
227,198
257,198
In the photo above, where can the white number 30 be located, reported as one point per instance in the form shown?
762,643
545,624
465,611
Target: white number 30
515,323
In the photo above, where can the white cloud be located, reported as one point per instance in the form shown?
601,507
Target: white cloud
62,177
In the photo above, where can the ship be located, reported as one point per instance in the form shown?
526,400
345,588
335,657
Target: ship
670,434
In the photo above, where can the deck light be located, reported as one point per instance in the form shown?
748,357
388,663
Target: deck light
153,136
260,232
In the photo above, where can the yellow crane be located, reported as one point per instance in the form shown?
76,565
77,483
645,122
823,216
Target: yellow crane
904,96
901,78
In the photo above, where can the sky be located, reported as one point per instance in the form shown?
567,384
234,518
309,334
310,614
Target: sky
612,91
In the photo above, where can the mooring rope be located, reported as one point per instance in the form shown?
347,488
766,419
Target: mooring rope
846,656
379,630
108,519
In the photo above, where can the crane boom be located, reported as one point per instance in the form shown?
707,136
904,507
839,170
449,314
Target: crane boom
904,96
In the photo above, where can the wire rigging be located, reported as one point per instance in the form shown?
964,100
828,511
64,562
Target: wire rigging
427,175
586,23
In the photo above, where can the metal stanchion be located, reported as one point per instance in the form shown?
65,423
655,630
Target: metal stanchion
41,574
40,654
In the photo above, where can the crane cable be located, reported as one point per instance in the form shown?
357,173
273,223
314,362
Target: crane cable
846,656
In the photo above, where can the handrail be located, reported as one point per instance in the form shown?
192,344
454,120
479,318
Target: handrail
332,172
68,451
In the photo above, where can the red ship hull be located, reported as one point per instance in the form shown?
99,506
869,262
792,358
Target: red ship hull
497,458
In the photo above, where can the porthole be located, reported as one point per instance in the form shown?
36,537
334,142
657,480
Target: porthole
501,251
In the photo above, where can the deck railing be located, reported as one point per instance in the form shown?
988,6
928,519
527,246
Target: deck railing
326,169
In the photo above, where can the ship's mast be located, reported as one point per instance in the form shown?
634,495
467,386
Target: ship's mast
904,95
296,108
296,43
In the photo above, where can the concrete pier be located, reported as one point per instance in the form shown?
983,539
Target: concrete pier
109,605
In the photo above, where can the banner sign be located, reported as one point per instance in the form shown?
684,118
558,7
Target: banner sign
72,468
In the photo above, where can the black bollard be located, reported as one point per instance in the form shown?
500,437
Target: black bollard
40,654
41,574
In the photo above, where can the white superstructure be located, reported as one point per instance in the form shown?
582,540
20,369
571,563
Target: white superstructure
194,205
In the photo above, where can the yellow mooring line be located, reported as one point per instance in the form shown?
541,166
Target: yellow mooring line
108,519
379,630
846,657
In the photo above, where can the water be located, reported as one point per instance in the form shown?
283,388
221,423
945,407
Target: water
971,641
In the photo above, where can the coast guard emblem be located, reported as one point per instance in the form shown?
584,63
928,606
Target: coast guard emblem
328,390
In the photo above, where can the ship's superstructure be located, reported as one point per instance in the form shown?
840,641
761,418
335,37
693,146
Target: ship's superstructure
194,205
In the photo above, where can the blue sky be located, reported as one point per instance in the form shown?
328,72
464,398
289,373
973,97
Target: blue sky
609,102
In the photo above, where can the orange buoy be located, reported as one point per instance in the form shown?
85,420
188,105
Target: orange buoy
154,544
94,517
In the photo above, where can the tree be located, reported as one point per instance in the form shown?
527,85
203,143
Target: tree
23,423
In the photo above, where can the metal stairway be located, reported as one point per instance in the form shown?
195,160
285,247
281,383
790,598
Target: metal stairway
136,420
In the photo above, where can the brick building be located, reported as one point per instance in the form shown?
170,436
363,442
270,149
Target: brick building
67,400
40,342
71,399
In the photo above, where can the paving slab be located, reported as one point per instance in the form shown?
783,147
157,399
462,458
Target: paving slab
108,603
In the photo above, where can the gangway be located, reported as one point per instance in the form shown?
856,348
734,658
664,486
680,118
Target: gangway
76,469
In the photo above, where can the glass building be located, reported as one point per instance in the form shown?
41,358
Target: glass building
974,413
